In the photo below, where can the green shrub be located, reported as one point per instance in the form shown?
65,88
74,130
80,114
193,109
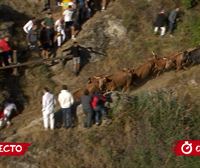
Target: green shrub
187,3
194,30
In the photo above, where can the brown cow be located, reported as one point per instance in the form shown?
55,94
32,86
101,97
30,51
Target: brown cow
162,64
179,60
121,79
144,71
77,95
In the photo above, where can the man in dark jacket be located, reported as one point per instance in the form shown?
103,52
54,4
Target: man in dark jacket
172,19
160,23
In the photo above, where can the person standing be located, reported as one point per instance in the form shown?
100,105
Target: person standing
28,26
48,104
86,100
6,51
160,23
33,38
66,101
48,23
98,101
76,54
68,19
172,20
60,31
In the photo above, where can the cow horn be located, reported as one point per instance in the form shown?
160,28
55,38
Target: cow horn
96,77
154,54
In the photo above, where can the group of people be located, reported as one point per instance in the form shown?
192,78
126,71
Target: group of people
7,110
93,107
163,22
51,33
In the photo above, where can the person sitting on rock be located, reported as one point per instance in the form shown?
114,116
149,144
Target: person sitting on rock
9,110
6,51
160,23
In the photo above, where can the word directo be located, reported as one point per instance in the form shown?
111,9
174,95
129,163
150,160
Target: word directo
187,148
13,149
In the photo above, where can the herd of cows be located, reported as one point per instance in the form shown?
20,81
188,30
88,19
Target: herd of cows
126,78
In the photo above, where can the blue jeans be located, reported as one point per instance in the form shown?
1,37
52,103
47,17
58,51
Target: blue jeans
67,117
99,112
88,118
171,27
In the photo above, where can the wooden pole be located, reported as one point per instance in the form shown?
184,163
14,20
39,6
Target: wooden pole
39,61
15,71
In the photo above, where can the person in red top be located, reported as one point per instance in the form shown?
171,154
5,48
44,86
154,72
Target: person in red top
1,117
5,51
97,103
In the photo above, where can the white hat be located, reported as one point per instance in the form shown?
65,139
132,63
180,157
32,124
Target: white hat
70,4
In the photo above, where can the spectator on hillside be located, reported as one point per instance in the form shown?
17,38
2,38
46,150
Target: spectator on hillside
6,52
98,101
48,23
172,20
28,26
86,101
9,110
160,23
33,38
1,117
45,43
68,15
48,104
66,101
81,9
76,54
103,5
60,31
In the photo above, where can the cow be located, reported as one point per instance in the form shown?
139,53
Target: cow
179,60
162,64
120,79
193,56
144,71
77,95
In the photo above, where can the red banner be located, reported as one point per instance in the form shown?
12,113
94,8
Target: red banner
187,148
13,149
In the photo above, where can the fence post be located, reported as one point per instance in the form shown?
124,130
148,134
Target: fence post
15,70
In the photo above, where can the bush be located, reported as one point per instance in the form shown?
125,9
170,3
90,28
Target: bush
188,3
161,119
194,29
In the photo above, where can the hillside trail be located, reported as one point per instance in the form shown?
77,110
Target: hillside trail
35,127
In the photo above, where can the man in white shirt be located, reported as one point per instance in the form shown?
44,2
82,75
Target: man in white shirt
59,28
48,103
68,13
28,26
66,101
8,111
